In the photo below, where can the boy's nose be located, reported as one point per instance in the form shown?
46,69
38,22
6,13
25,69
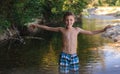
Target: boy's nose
68,21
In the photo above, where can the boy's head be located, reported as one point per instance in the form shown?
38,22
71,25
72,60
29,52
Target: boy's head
69,19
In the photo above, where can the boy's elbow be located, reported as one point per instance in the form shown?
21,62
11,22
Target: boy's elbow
91,33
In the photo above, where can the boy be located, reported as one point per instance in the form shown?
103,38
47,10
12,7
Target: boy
69,60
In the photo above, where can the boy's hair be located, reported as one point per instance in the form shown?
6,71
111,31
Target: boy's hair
68,14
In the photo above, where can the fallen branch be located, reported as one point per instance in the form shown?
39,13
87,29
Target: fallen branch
30,37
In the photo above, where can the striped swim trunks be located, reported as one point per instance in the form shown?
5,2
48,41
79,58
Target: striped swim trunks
68,62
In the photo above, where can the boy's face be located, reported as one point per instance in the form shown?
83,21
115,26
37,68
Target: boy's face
69,21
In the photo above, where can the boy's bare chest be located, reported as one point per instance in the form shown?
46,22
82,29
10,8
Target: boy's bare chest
69,34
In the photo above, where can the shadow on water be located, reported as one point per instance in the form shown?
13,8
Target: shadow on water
42,56
35,57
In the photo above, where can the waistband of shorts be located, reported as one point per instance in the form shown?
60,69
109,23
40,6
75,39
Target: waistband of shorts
69,54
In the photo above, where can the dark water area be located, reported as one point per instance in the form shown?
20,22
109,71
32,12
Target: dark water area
97,55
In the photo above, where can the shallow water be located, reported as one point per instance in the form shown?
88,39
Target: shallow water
97,55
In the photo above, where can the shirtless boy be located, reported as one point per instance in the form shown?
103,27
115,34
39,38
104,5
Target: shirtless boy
68,58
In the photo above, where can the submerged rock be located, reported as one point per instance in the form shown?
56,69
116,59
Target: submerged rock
113,33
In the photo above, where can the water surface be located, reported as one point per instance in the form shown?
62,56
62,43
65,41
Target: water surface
97,55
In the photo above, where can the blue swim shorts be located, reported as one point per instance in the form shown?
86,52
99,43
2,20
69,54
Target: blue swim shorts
68,62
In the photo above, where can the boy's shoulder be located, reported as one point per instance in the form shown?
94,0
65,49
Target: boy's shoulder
61,27
77,28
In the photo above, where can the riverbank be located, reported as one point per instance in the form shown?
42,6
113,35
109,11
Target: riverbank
107,13
106,10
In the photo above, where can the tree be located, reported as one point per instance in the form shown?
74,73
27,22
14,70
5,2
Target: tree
19,12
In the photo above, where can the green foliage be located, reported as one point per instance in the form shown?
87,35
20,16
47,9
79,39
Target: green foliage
19,12
26,10
75,6
108,2
113,2
4,23
117,3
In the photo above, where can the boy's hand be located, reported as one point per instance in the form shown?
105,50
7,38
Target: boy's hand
107,27
32,27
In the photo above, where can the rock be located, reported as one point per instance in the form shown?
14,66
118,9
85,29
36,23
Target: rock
113,33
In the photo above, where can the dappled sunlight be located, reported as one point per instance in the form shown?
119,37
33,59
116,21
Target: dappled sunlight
112,13
110,10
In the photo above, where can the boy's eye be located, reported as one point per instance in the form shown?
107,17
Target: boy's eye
67,20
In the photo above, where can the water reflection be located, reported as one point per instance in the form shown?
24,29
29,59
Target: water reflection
110,59
112,55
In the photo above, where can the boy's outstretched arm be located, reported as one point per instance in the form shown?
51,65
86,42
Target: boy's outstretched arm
55,29
93,32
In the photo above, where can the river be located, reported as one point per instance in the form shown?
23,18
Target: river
97,55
